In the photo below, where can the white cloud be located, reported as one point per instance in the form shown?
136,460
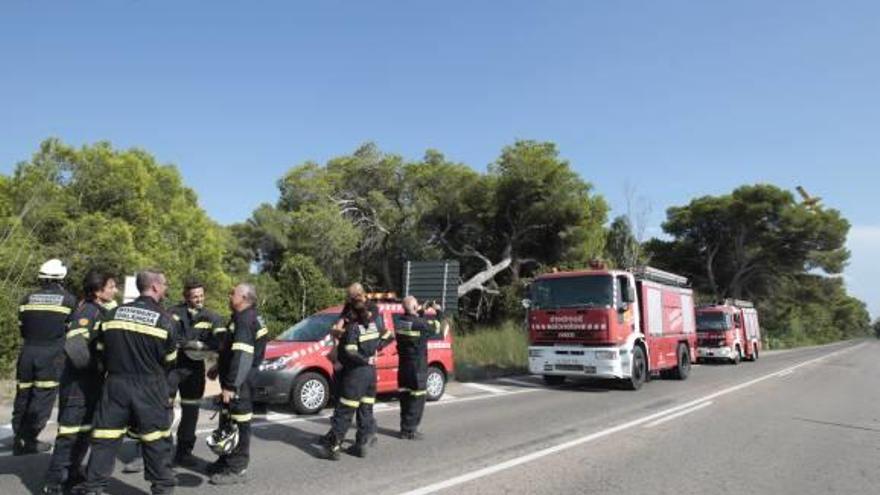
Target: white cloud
863,273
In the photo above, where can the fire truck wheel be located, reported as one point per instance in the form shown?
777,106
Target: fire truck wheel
754,352
436,383
683,369
639,370
553,380
737,355
310,394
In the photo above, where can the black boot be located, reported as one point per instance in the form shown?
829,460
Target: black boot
331,446
361,447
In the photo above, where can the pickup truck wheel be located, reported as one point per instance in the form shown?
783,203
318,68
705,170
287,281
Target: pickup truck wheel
683,369
310,394
553,380
435,383
639,373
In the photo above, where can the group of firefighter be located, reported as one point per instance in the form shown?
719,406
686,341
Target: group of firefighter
117,369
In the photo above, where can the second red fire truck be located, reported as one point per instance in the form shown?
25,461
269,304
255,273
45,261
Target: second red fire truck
618,324
729,331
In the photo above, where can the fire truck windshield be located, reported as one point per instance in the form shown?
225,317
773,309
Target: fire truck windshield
712,322
573,292
311,329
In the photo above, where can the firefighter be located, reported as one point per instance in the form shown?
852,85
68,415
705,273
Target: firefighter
240,356
80,383
357,388
43,317
200,331
139,345
412,334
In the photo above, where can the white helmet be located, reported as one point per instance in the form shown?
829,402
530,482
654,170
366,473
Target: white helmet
224,440
53,269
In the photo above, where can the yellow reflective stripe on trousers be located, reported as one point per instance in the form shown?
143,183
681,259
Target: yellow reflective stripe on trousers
368,400
241,346
45,384
78,331
262,332
108,434
135,327
171,356
190,402
71,430
368,336
45,307
418,393
409,333
349,402
155,435
242,418
24,385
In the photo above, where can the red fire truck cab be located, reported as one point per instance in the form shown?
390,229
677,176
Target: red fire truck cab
729,331
614,324
298,370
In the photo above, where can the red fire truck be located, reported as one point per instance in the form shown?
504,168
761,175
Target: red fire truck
615,324
728,331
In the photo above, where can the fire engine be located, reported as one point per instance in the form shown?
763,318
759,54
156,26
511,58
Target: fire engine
298,368
615,324
728,331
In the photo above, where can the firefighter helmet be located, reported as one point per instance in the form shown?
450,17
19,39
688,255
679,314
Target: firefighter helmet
224,439
53,269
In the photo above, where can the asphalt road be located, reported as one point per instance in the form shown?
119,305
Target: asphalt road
805,421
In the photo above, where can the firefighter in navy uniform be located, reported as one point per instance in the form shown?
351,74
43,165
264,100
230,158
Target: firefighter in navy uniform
240,357
81,383
412,335
201,330
357,382
43,317
139,344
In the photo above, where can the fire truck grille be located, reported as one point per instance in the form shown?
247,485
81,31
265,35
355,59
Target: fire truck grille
570,367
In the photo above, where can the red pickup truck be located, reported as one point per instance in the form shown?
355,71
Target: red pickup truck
298,371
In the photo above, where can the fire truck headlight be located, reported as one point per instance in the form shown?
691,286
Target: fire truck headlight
606,355
536,353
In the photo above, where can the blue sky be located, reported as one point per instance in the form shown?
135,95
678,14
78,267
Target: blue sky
676,99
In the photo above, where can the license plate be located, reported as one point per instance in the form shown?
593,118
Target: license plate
567,361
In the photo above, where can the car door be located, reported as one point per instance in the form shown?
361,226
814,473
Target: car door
386,359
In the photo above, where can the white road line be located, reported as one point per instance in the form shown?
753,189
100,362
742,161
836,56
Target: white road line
516,461
785,373
448,397
678,414
521,383
485,388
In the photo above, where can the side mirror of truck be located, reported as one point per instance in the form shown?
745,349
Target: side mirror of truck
630,295
526,303
623,307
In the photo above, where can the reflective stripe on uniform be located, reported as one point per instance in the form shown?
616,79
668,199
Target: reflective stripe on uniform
418,393
155,435
368,336
78,331
176,318
203,325
242,418
171,356
368,400
99,346
404,389
219,330
72,430
24,385
387,334
45,384
409,333
349,402
262,332
45,307
190,402
241,346
351,347
136,327
111,434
